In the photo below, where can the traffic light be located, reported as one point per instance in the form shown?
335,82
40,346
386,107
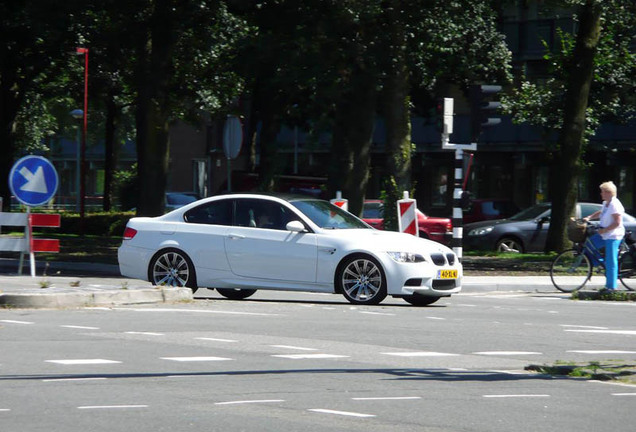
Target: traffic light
483,110
444,117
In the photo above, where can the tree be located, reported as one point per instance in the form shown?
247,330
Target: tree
592,80
36,39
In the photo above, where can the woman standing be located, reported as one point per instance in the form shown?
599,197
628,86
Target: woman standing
611,231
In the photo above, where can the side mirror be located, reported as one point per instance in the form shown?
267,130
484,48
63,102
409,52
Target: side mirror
295,226
543,220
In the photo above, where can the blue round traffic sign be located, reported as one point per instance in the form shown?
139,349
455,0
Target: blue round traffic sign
33,180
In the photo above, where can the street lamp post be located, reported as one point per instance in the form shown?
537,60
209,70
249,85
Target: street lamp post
82,188
77,114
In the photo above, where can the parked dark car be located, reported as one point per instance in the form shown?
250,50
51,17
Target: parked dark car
432,228
481,209
524,232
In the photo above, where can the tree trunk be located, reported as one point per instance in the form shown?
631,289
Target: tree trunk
110,157
351,145
10,100
396,106
567,163
152,119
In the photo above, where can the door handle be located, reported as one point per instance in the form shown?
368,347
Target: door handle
236,236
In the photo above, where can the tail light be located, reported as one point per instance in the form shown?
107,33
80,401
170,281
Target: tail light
129,233
449,227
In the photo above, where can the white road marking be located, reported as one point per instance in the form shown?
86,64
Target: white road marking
387,398
623,394
619,332
163,310
80,327
517,396
512,372
309,356
496,353
144,333
250,402
111,406
601,352
72,379
216,340
83,361
420,354
194,359
436,318
342,413
584,327
294,348
376,313
16,322
5,409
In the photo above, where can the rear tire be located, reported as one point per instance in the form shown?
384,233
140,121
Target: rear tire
570,270
235,293
627,270
172,267
509,244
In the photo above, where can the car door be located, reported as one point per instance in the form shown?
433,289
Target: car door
259,246
536,232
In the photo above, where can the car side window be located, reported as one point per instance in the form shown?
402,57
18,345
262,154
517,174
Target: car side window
261,214
213,213
588,209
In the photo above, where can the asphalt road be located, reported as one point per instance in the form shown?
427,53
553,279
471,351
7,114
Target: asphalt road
295,361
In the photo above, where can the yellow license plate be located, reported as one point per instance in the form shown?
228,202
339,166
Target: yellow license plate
447,274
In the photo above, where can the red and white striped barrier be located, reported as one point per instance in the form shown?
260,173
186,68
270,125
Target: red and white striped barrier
341,202
28,244
407,216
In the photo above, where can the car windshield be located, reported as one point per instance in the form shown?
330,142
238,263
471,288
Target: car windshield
531,212
326,215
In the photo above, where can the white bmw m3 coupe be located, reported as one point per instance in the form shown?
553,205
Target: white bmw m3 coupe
240,243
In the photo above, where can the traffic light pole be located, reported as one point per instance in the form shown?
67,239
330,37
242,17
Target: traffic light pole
458,218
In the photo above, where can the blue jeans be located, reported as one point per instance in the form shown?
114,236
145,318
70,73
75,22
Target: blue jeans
611,258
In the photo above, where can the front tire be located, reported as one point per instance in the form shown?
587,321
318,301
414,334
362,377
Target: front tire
361,280
235,293
172,267
570,270
509,244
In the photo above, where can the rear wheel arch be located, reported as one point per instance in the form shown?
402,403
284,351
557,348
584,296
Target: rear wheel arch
171,266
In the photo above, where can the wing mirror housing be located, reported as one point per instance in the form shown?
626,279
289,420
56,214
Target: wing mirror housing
295,226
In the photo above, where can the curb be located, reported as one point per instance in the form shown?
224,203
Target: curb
61,300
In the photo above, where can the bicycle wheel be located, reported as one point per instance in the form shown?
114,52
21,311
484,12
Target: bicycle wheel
570,270
627,271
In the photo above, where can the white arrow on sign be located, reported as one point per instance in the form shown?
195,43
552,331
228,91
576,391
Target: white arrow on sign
35,182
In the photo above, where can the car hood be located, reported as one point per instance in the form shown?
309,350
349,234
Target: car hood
388,241
486,223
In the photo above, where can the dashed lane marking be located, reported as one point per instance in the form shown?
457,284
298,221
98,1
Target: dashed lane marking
79,327
309,356
386,398
83,361
618,332
144,333
89,407
517,396
420,354
601,352
342,413
74,379
194,359
216,339
623,394
250,402
294,348
496,353
583,327
16,322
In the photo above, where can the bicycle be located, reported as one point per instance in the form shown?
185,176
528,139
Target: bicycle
572,269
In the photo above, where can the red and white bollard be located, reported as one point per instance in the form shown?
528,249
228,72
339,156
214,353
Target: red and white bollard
340,201
407,216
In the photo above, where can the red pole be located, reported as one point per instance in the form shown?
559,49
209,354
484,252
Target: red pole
83,147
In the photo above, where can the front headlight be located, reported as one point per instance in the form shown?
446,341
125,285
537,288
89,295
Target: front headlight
406,257
480,231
